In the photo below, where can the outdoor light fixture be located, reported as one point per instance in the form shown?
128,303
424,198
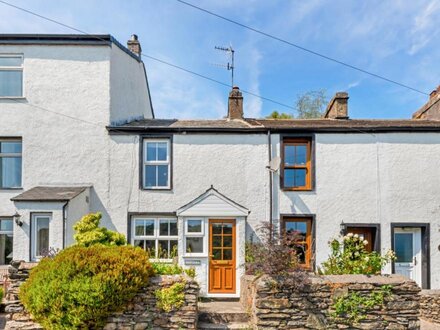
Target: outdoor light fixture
342,228
17,219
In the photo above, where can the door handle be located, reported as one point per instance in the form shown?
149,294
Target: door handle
415,261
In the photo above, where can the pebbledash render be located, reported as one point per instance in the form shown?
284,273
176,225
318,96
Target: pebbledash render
78,134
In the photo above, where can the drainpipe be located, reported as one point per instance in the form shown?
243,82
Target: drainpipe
64,224
269,149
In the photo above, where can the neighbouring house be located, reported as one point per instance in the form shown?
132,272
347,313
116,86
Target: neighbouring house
78,135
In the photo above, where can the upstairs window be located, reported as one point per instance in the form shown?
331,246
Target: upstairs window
296,165
10,163
156,171
11,75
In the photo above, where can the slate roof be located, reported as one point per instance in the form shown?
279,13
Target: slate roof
49,194
251,124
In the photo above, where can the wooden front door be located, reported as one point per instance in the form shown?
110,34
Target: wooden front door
222,256
365,233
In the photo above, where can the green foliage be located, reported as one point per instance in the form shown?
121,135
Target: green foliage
351,257
162,268
311,104
1,294
352,308
191,272
171,298
277,115
89,233
81,286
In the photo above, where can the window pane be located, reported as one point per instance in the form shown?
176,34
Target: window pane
300,251
194,244
227,241
139,243
289,155
173,248
297,226
10,147
216,241
11,60
194,226
227,228
149,227
139,229
227,254
150,247
162,151
42,236
300,178
301,154
150,176
163,252
217,228
151,151
5,249
163,229
403,247
289,178
162,175
11,83
10,172
217,254
6,225
173,227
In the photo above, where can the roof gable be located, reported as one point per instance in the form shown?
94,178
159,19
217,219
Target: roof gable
212,203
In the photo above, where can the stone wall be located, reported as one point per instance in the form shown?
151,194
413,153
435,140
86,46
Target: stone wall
430,305
278,303
140,313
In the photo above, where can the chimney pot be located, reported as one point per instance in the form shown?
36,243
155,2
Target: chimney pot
134,45
431,109
235,104
338,106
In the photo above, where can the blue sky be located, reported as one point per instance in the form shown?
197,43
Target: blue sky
393,38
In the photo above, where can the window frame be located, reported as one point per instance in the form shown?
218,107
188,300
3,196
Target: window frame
15,68
34,218
8,232
295,141
13,155
310,220
156,237
200,234
143,162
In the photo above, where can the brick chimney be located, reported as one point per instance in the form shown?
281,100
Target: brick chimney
235,104
134,45
337,107
431,110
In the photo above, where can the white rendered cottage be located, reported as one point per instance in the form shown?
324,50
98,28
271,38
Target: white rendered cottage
202,187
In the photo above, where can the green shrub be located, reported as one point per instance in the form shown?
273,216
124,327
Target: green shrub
351,257
88,232
162,268
171,298
81,286
1,294
191,272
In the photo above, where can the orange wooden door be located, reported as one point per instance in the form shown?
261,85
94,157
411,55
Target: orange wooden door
222,256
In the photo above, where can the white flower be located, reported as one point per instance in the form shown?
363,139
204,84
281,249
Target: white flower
365,242
350,235
356,236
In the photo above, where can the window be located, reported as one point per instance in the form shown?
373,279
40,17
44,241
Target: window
296,164
6,240
11,75
156,236
156,172
10,163
366,233
40,235
194,236
302,228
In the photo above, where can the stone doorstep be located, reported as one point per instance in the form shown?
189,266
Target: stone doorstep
222,312
233,325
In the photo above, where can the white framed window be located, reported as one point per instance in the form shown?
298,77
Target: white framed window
156,164
157,236
6,240
40,235
10,163
194,236
11,75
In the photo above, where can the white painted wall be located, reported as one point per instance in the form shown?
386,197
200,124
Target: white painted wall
75,210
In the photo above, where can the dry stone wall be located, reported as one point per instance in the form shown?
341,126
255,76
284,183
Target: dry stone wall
278,303
140,313
430,305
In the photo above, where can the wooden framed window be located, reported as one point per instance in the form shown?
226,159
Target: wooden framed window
296,169
302,227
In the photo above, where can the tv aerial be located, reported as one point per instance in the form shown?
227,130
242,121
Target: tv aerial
230,65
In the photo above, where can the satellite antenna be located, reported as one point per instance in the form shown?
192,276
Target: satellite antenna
274,164
230,65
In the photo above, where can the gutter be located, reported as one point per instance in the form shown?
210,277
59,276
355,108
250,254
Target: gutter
64,224
269,149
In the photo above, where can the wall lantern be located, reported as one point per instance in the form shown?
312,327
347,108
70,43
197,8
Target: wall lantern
342,228
17,219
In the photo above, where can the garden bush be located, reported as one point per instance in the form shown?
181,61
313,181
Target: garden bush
162,268
350,257
81,286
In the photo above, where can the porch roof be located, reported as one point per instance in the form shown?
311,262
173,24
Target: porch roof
49,194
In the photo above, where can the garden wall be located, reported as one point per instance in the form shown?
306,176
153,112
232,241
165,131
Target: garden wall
277,303
430,305
140,313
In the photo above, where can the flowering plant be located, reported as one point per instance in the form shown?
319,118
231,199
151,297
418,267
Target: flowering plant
349,256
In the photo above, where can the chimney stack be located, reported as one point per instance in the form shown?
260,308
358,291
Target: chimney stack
134,45
338,106
431,110
235,104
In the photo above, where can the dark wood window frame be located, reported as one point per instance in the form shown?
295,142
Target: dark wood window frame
376,245
291,141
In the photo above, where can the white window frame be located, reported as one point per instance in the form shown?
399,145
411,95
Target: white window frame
9,155
14,68
200,234
156,162
8,232
34,220
156,237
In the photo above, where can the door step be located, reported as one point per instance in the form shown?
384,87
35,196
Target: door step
232,326
221,314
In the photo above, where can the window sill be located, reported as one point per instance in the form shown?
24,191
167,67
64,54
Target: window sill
296,189
195,255
12,98
18,188
157,189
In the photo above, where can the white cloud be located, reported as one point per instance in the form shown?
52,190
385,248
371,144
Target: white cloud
425,27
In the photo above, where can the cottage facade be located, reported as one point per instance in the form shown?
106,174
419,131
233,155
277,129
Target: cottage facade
83,138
